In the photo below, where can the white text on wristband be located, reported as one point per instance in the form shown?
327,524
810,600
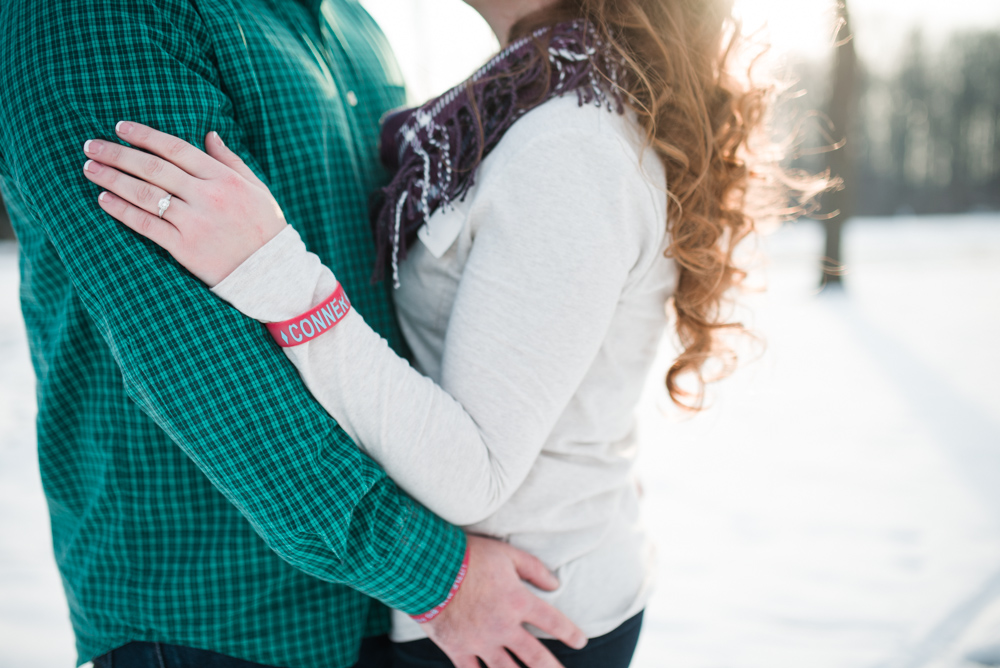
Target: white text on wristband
435,611
306,327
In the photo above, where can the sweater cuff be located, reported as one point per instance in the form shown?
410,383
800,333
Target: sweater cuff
281,280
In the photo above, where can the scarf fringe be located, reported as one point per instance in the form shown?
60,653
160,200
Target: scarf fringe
439,146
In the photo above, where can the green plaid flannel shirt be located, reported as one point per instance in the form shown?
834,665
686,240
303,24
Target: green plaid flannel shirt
198,494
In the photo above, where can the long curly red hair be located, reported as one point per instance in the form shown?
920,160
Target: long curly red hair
702,117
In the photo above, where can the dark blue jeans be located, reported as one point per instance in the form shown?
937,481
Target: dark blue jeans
375,653
613,650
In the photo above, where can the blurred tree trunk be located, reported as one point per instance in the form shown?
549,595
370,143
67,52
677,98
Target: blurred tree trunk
843,108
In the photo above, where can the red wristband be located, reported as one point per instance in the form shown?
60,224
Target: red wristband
306,327
434,612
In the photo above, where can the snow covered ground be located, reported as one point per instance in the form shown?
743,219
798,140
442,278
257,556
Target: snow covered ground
838,507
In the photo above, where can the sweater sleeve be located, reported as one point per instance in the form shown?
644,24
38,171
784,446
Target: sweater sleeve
542,282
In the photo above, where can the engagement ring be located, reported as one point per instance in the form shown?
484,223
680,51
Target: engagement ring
164,204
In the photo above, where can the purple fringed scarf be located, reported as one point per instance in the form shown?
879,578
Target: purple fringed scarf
436,149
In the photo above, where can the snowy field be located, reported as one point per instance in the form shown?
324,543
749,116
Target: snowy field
839,506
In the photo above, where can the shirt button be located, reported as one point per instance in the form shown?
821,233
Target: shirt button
352,99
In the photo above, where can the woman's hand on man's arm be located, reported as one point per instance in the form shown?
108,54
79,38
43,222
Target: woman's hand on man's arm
217,213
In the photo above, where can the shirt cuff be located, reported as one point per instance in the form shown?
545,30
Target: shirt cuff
280,281
438,609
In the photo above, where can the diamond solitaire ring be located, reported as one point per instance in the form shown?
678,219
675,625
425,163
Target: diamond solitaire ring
164,204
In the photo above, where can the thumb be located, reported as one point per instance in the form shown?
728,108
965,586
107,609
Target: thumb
531,569
217,148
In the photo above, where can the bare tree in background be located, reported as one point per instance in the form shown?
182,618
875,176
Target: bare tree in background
842,112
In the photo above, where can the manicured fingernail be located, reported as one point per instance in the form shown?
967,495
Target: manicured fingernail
92,167
90,147
104,197
216,134
123,127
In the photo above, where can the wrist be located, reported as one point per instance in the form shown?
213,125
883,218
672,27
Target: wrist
278,282
307,326
438,609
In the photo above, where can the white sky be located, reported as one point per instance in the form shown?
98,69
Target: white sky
440,42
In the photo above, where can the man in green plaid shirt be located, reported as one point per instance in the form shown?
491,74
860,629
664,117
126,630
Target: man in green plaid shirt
198,495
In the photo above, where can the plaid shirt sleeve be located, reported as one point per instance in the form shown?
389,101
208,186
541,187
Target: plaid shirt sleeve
210,378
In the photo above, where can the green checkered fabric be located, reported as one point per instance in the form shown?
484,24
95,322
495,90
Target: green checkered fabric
198,494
